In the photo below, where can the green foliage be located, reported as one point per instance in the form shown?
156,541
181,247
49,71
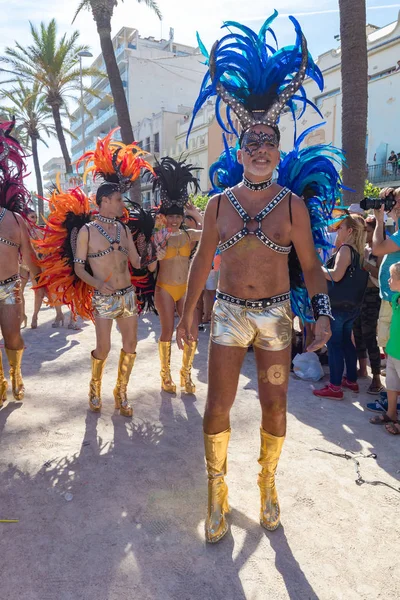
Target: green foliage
370,190
199,201
103,9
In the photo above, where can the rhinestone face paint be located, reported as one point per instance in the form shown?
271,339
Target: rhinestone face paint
252,141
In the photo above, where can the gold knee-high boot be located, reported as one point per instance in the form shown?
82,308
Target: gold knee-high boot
125,366
270,451
95,384
3,383
189,350
167,384
15,359
216,450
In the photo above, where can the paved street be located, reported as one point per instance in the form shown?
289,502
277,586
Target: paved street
133,528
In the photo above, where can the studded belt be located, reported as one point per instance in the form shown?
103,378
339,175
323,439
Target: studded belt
10,280
130,288
254,304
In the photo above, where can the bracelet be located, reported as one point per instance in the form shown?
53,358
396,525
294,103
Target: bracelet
80,261
321,306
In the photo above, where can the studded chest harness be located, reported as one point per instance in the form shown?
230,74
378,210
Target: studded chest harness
259,219
109,239
4,240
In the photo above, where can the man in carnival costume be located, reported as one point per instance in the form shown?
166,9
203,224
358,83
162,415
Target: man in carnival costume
100,250
254,224
14,241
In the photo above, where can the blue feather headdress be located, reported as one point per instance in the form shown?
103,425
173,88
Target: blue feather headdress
226,172
254,79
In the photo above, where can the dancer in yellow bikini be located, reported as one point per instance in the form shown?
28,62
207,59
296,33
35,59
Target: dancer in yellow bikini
172,181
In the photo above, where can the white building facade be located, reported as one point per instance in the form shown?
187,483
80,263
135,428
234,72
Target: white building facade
383,102
156,74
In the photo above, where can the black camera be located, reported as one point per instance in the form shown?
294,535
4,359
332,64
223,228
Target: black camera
375,203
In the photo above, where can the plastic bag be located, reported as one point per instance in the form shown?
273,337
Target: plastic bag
307,366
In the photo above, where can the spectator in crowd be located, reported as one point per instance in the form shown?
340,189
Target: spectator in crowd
389,249
392,160
350,242
365,326
389,418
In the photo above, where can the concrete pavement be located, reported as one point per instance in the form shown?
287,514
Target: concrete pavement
113,509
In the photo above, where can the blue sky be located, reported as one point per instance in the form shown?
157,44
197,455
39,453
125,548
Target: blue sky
319,20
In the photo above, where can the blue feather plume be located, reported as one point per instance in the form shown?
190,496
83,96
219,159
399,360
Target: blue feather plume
226,172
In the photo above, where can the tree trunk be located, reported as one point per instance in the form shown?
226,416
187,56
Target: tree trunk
354,67
61,137
39,184
117,90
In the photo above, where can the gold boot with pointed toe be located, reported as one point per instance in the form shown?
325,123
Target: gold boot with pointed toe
14,360
216,450
126,362
189,350
3,383
95,384
270,451
164,349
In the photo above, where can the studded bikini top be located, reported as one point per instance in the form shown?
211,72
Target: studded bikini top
4,240
109,239
259,219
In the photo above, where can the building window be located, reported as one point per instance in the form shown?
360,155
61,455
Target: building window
319,100
147,145
140,144
156,142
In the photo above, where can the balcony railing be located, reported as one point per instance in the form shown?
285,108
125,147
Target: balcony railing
110,112
383,173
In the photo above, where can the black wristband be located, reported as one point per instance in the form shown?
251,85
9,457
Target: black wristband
321,306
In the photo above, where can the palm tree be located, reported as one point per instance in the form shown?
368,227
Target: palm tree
102,11
54,66
354,95
33,118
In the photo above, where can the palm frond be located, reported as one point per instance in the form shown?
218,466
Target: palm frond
85,4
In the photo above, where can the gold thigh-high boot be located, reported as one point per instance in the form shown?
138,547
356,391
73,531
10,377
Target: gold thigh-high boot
3,383
167,384
14,359
271,447
189,350
95,384
126,362
216,449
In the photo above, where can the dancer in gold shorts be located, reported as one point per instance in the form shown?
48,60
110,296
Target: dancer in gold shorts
254,224
14,242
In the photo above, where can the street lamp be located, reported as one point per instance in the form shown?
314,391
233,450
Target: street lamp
83,54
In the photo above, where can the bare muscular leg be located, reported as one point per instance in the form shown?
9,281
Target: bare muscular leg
128,330
224,364
165,306
273,370
103,338
10,320
24,280
39,297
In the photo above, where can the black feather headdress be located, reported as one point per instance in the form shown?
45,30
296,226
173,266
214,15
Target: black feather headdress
172,179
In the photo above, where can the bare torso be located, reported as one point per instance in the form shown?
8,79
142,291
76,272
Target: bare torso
9,255
111,267
174,270
249,269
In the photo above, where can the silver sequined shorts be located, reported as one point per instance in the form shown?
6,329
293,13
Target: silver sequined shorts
269,328
119,305
10,291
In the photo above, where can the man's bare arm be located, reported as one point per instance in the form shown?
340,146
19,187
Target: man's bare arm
199,270
28,255
133,254
81,254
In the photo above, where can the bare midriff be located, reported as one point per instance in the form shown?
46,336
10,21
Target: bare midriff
10,230
113,267
175,270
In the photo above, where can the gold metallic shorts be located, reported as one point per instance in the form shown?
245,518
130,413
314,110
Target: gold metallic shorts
119,305
268,328
10,291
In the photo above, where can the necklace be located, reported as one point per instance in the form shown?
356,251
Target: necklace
109,220
256,187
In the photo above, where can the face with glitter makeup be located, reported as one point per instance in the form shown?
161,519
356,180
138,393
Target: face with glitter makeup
259,153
